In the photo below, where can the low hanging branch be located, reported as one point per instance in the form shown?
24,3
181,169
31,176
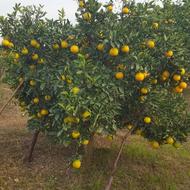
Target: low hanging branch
108,187
16,90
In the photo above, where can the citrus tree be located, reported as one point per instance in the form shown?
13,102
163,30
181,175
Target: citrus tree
114,69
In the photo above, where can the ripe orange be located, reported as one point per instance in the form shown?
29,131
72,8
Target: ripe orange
144,90
75,90
125,10
114,52
183,85
5,43
119,75
35,57
16,56
147,120
110,8
178,89
85,142
36,100
139,76
177,77
24,51
125,49
155,144
74,49
166,74
44,112
169,53
33,43
86,115
75,134
150,44
170,140
76,164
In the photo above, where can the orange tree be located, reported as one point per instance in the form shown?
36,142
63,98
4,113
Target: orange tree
112,70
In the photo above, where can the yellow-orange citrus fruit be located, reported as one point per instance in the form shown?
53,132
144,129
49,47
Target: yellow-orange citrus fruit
86,115
41,61
36,100
55,46
154,81
32,82
125,10
170,140
114,52
178,89
76,164
129,126
75,134
11,45
182,71
169,53
47,97
177,77
33,43
39,115
177,144
100,47
17,56
125,48
74,49
155,144
85,142
150,44
139,76
119,75
24,51
35,56
44,112
5,43
144,90
166,74
110,8
64,44
75,90
87,16
183,85
147,120
81,4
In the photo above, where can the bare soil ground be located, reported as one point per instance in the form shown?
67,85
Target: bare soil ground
141,168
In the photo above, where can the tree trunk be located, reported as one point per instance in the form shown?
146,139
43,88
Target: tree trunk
33,143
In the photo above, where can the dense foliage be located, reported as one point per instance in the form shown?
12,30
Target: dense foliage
112,70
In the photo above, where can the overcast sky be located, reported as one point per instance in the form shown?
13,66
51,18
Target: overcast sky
51,6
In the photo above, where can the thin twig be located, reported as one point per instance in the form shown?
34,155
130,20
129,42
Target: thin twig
16,90
108,186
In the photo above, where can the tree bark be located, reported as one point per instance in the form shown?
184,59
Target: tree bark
110,181
33,143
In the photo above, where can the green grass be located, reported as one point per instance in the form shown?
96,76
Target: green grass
140,167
